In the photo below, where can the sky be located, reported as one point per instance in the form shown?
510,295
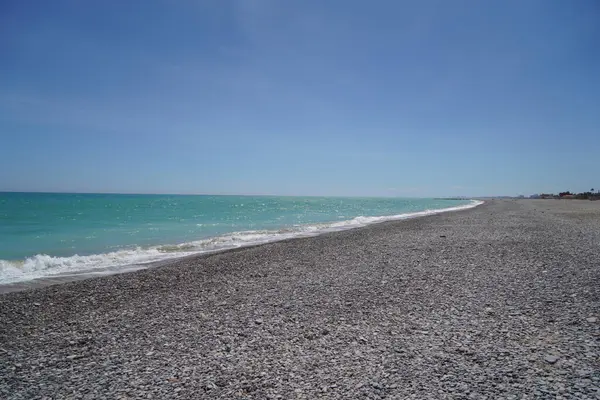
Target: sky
300,97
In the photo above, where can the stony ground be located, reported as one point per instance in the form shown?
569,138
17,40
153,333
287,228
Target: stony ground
499,302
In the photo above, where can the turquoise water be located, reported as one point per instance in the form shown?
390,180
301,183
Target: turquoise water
44,234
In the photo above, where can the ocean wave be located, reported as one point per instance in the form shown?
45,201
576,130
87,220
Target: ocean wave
43,266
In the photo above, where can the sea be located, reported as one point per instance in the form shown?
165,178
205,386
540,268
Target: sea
46,235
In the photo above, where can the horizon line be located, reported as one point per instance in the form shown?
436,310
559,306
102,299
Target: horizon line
238,194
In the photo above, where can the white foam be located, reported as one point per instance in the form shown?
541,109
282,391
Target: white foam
42,265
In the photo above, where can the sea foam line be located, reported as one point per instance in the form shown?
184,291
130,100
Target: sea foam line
44,266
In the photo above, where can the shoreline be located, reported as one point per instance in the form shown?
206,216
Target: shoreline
329,227
498,301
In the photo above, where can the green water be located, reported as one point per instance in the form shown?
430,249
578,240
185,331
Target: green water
43,234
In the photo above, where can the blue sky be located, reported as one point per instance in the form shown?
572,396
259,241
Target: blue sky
390,98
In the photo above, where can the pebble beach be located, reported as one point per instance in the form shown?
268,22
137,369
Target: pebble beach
501,301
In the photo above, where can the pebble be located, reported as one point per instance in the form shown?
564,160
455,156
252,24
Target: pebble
551,359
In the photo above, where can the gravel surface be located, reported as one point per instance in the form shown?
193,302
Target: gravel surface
501,301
